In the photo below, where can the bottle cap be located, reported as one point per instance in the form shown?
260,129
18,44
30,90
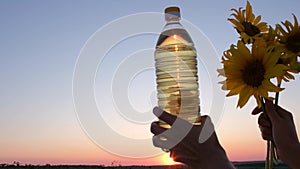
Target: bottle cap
172,11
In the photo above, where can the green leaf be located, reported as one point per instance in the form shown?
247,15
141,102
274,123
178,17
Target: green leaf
296,66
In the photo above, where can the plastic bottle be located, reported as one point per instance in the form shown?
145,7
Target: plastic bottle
176,70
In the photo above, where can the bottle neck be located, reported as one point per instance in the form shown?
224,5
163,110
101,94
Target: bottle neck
172,18
169,17
173,24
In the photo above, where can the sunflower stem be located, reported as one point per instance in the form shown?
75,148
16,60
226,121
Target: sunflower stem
267,162
267,165
272,154
277,96
274,157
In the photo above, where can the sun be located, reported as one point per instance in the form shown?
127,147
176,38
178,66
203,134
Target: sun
167,160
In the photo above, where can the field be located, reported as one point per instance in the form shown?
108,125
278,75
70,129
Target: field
239,165
257,165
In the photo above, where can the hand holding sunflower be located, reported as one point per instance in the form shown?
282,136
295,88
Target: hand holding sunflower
262,53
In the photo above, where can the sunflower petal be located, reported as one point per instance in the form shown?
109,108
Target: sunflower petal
259,48
235,10
248,11
259,104
236,90
243,50
236,16
237,25
266,84
288,26
279,27
243,14
262,92
289,76
256,20
277,70
295,21
244,96
221,72
270,59
251,17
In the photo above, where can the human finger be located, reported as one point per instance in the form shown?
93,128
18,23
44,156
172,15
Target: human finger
205,119
207,129
256,111
163,115
264,121
182,155
156,128
188,160
160,141
266,133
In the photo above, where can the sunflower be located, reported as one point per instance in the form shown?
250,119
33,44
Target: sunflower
288,43
271,38
290,39
292,67
249,72
247,25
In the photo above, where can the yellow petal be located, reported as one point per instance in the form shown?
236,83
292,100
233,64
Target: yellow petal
243,14
259,104
277,70
248,11
227,54
259,48
232,84
270,59
266,84
235,10
234,64
279,27
251,18
288,26
295,21
239,14
289,76
244,96
237,24
262,92
262,26
243,50
256,20
221,72
236,90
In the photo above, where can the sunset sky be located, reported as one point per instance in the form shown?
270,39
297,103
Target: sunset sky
43,42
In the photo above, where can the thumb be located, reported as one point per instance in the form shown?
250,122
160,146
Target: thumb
207,129
256,111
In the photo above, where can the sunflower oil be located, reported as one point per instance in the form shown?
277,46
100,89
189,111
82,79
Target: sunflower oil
176,70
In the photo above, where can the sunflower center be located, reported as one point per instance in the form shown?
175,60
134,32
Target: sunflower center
293,43
253,73
250,29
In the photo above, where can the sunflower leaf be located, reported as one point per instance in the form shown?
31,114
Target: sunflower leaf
296,66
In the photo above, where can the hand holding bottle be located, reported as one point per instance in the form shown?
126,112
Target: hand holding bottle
198,147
